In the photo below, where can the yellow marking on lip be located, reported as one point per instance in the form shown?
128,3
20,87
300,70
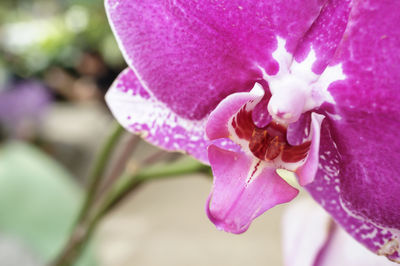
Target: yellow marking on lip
289,177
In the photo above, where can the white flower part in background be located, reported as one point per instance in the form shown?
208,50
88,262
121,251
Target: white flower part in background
316,239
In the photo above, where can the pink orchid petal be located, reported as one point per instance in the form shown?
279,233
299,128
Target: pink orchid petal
298,132
235,201
325,34
306,172
366,116
142,114
217,124
326,189
314,239
192,54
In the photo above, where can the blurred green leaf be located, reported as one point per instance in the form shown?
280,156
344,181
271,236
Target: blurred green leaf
38,199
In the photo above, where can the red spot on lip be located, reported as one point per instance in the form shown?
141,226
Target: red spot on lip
254,171
243,123
269,142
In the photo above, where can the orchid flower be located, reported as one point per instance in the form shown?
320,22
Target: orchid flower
251,87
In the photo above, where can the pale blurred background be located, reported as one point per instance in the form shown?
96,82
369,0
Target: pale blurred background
57,59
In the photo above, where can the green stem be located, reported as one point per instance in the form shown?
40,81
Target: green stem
129,182
119,165
81,239
126,185
98,170
95,177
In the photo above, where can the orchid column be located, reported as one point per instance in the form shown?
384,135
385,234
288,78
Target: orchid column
255,86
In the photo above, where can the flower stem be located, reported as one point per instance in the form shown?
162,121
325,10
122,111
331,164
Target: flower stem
98,170
129,182
81,238
95,177
124,185
120,164
121,191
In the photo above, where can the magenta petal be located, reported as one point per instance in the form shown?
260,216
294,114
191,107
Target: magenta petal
367,114
242,190
141,113
192,54
327,191
325,34
306,172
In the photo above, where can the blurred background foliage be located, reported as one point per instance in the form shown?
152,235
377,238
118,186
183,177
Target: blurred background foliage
37,37
44,201
57,59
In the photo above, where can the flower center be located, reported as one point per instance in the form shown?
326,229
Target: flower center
269,142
